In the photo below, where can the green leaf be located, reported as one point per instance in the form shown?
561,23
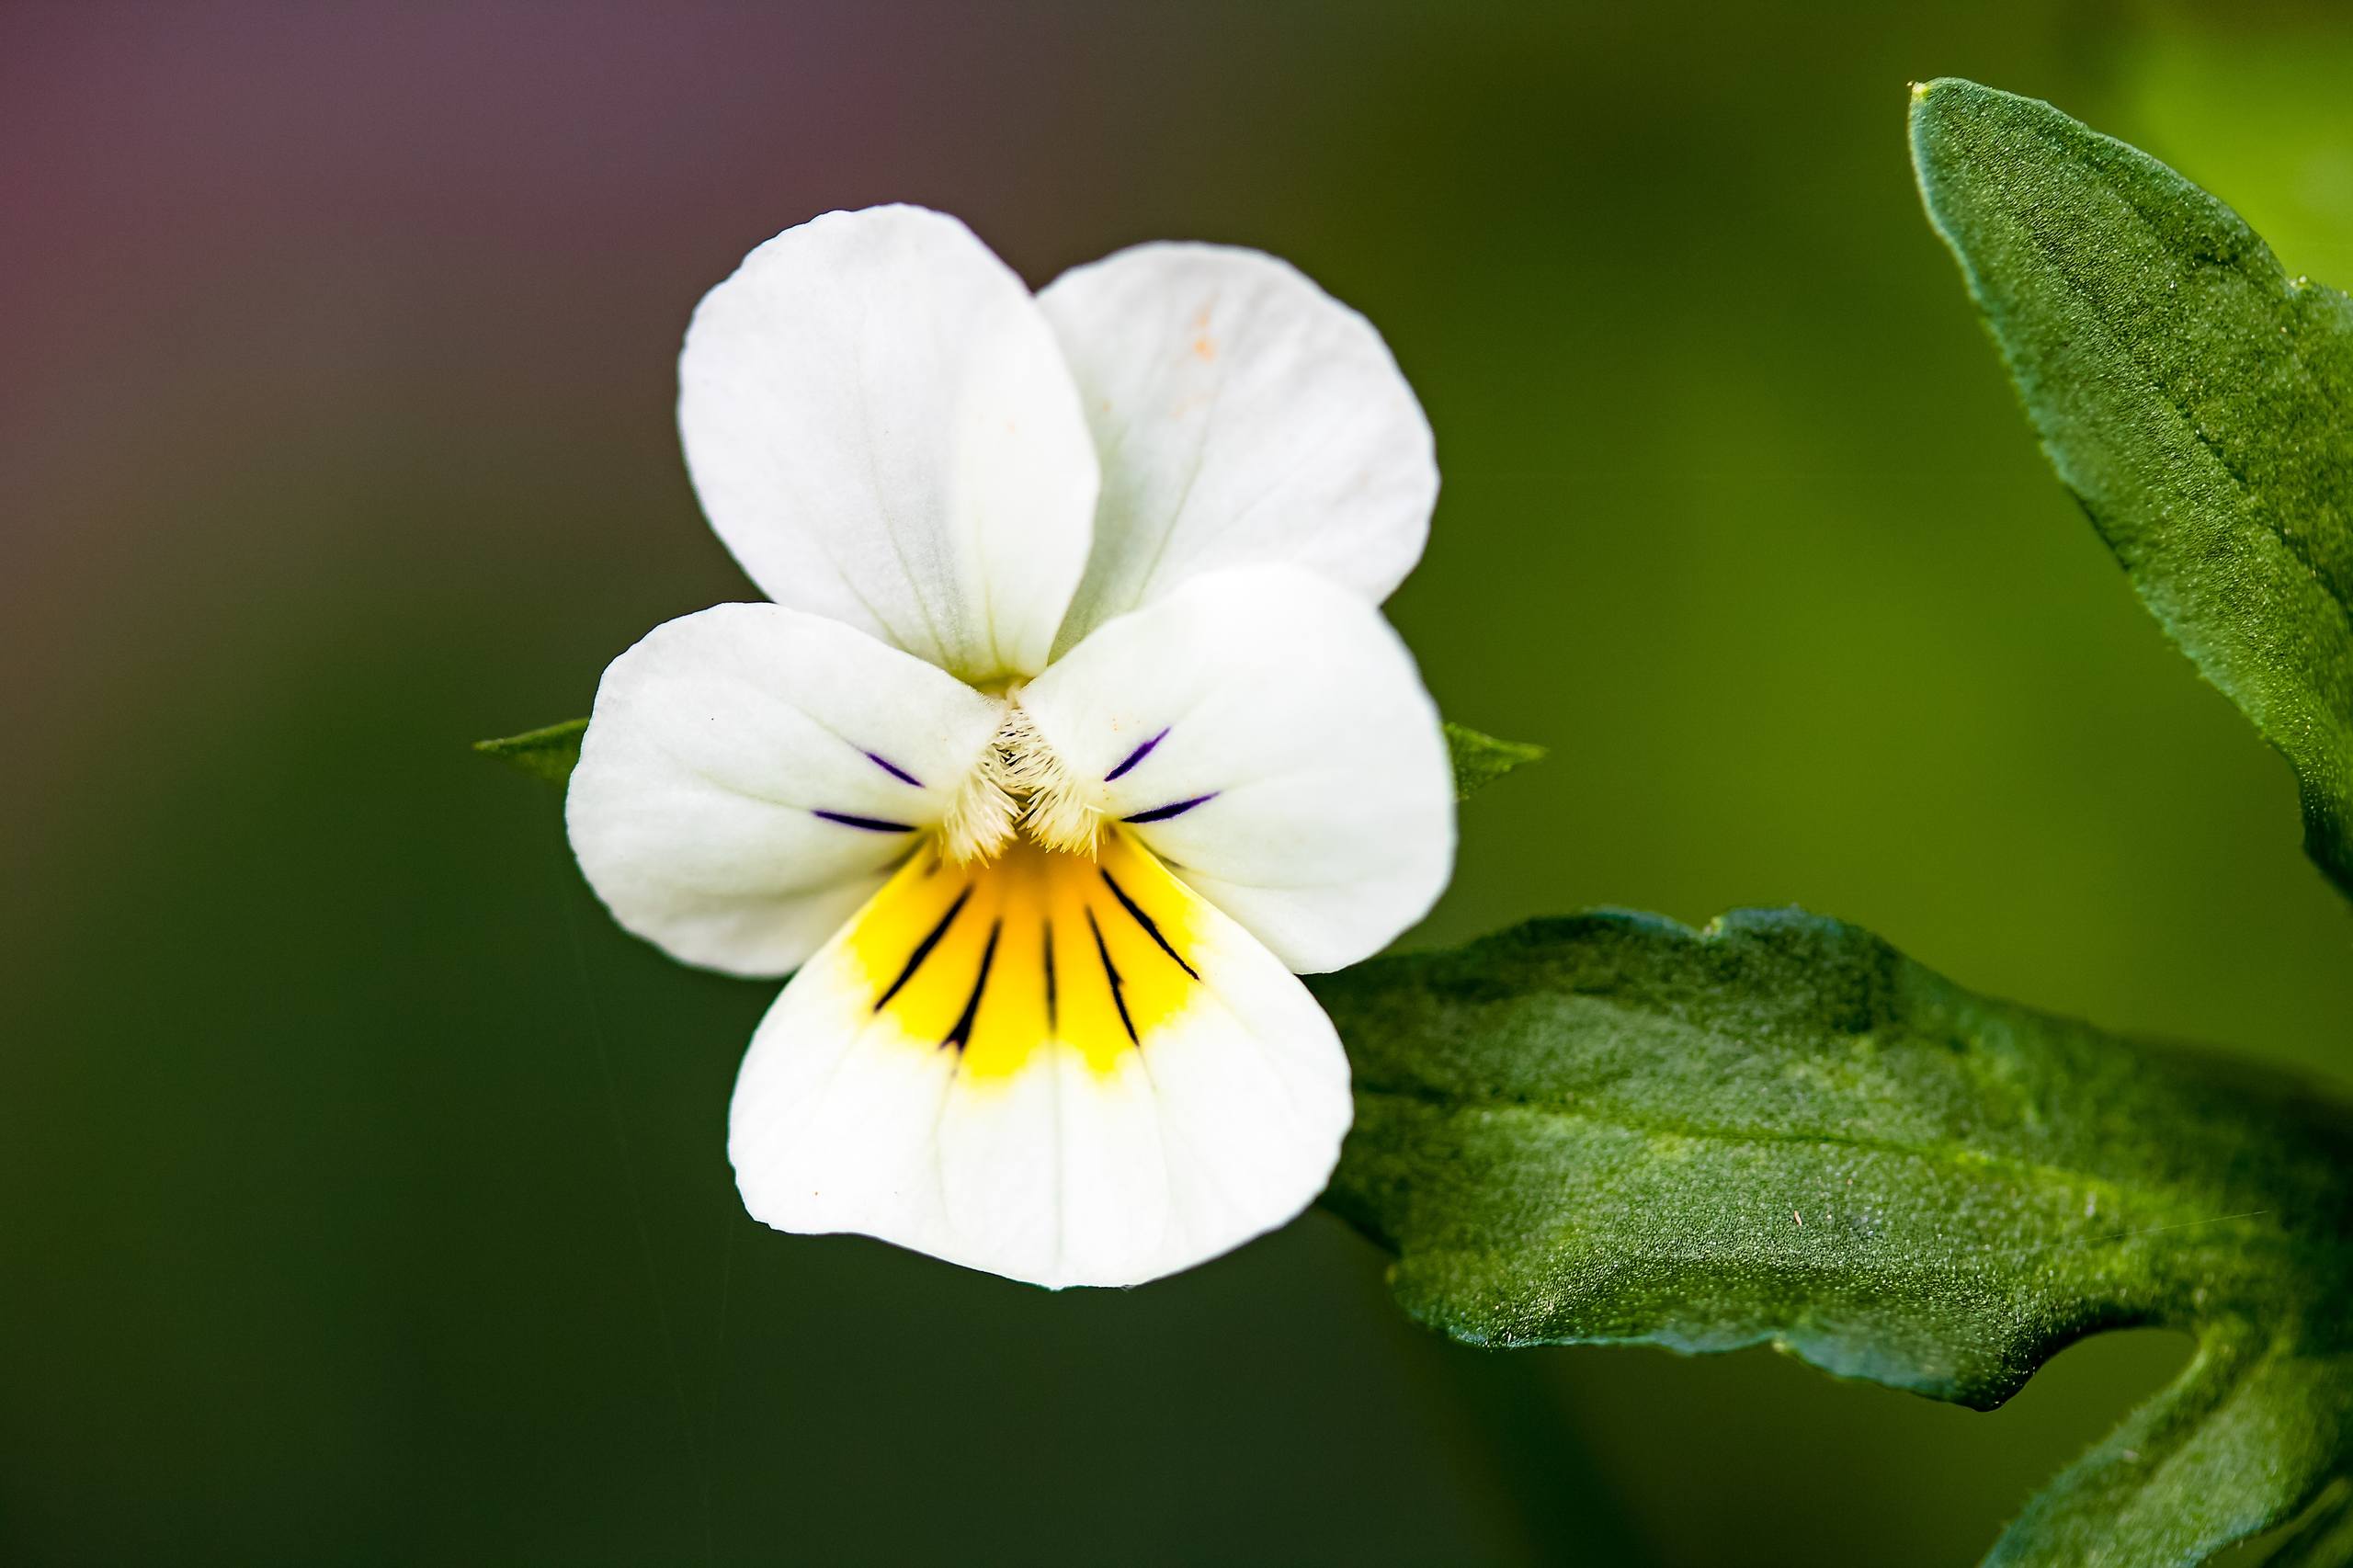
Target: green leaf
551,754
2197,401
1480,760
1611,1128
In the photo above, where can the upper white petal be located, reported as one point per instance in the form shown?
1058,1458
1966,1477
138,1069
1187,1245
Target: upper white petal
1243,416
714,744
881,427
1297,776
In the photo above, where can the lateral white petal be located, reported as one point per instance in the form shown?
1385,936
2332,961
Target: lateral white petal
1266,734
1243,416
880,427
1159,1092
751,772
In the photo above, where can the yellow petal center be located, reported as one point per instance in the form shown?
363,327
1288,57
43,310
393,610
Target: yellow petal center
999,959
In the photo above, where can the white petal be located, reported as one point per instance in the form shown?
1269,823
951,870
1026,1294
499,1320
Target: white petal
1243,416
1159,1093
751,773
1266,734
881,427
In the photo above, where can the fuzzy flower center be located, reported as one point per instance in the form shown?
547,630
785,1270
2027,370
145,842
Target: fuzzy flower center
1019,788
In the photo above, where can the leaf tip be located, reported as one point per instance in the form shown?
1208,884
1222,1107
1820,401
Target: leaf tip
1941,103
1946,92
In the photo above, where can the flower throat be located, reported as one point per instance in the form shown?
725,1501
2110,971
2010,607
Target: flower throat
1019,789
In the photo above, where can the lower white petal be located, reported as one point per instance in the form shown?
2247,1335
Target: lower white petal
1060,1070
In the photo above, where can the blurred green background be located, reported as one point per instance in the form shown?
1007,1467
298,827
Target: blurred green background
362,1191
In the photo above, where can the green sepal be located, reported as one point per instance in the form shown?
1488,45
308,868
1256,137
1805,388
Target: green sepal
1479,760
551,753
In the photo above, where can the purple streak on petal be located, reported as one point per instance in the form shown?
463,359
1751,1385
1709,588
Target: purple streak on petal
901,774
1136,755
871,824
1174,809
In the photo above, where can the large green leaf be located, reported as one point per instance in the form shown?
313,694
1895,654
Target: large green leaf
553,753
2197,400
1612,1128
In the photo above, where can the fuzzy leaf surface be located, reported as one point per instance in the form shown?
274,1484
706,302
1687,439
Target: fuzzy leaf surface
1611,1128
2196,399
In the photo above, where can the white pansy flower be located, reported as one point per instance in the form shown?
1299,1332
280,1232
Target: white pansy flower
1072,733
